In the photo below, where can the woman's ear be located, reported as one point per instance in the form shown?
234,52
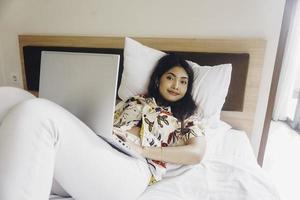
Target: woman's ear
157,83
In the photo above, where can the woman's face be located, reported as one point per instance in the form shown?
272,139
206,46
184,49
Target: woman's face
173,84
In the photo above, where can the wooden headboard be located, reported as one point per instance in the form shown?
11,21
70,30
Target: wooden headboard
246,56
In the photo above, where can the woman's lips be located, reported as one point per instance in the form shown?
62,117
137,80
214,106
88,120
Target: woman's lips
173,93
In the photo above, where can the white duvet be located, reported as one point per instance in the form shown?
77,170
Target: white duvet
228,171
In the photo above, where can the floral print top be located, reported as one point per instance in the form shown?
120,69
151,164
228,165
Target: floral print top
159,128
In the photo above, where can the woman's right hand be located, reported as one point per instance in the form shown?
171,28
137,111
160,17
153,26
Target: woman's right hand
135,131
132,135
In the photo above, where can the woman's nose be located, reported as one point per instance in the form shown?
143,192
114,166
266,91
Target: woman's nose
175,84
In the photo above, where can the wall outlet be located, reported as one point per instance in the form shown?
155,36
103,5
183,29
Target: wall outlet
14,78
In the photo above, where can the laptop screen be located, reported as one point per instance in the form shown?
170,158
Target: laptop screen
84,84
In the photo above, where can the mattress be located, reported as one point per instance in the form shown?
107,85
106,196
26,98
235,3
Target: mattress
229,170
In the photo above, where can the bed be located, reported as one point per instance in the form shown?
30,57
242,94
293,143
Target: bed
227,172
229,169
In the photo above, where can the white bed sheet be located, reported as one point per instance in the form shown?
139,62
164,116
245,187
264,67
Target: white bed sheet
229,170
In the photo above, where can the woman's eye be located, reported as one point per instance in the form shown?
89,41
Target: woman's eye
169,77
184,82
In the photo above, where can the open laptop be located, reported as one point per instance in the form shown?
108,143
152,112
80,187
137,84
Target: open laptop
85,84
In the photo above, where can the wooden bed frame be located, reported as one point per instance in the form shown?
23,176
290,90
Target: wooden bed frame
242,119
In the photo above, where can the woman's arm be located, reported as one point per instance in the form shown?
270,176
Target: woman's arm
191,153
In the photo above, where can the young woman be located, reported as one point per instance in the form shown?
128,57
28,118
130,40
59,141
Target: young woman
165,120
40,141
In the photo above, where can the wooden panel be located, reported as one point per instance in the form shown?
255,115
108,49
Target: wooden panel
254,47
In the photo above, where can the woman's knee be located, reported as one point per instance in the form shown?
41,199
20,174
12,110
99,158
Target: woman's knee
29,122
33,108
32,114
9,97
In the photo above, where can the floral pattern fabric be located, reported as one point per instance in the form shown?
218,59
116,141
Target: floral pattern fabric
159,128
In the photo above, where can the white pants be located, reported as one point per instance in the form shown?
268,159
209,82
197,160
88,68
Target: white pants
40,141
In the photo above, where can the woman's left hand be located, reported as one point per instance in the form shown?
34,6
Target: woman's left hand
135,147
126,138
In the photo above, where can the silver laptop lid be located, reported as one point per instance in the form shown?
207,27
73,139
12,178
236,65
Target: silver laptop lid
83,83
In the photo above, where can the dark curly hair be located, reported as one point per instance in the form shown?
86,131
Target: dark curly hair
184,107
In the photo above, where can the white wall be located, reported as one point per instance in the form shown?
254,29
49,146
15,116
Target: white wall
297,82
154,18
2,77
2,81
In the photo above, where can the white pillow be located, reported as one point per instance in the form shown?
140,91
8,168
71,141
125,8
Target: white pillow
210,88
210,84
139,62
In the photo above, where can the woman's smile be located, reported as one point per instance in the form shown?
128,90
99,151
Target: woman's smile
173,93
